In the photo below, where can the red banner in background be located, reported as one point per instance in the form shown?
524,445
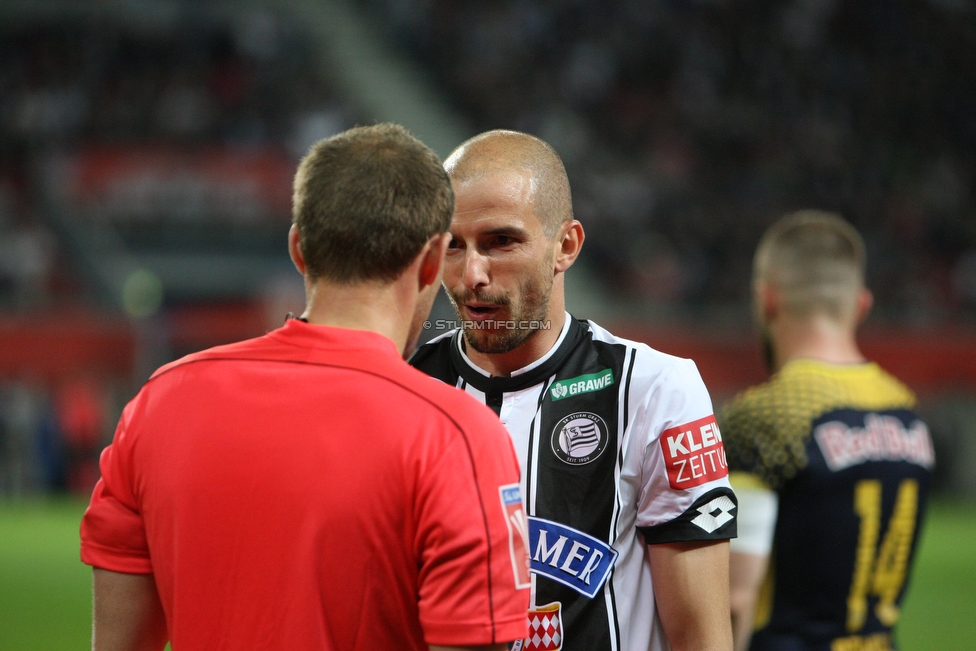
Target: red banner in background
65,345
940,361
933,361
170,184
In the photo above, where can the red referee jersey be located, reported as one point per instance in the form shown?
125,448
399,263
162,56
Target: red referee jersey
309,490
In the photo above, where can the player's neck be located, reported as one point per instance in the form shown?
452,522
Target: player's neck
814,337
372,306
532,349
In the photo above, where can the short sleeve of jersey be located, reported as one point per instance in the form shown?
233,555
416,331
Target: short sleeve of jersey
472,539
113,535
752,442
685,492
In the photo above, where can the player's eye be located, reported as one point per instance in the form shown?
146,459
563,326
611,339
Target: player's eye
455,243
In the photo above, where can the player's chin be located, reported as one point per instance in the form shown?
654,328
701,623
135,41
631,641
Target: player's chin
493,342
482,341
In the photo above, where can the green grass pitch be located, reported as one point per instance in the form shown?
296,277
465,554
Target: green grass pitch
45,591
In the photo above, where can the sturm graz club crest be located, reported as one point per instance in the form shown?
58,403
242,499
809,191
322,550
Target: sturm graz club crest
579,438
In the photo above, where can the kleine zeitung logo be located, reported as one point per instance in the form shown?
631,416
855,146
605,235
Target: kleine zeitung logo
694,453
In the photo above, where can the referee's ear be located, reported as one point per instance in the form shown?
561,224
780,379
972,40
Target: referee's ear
295,249
432,260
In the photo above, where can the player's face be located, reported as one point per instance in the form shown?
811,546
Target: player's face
499,267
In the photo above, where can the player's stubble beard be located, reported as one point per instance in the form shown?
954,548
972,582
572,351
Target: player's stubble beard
532,305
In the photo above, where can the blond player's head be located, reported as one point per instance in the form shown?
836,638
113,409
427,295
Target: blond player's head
814,262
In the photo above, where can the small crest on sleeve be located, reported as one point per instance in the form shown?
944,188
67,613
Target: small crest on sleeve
694,454
517,533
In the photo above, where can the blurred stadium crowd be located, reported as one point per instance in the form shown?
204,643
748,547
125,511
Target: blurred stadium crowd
77,84
184,80
686,126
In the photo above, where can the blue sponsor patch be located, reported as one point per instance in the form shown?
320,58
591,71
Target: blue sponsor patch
571,557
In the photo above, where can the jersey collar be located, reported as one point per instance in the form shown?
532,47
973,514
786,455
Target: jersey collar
299,332
524,378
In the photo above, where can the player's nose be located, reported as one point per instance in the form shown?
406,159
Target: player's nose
475,273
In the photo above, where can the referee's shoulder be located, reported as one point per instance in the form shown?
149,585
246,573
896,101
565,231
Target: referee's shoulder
475,422
453,403
243,348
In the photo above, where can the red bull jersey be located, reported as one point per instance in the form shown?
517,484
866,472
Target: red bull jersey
618,448
851,463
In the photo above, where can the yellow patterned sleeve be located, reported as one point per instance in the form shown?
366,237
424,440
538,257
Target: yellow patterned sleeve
757,438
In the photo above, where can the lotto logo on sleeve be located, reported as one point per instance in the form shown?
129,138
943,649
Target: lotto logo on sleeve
517,533
694,454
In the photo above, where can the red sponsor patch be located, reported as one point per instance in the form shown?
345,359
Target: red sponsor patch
694,454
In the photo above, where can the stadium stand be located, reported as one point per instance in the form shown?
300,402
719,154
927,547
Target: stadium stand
688,127
158,141
146,158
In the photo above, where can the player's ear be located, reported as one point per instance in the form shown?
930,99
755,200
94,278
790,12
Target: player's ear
570,240
768,302
865,300
432,260
295,249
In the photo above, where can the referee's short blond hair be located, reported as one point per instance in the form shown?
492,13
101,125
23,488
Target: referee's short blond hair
815,260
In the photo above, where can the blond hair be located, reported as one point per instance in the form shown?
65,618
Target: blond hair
815,260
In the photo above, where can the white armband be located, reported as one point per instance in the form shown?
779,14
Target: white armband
756,516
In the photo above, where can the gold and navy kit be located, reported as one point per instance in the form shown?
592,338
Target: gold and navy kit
850,461
618,448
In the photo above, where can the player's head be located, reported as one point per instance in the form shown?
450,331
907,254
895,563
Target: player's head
368,204
513,235
500,153
813,262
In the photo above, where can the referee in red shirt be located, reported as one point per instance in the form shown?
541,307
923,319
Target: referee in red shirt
308,489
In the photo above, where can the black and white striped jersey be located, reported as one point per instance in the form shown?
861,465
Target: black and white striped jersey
618,446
